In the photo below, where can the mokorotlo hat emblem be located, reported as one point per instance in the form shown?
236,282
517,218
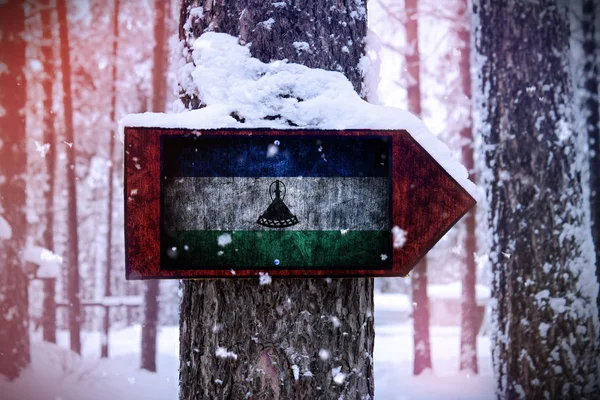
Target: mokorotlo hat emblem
278,215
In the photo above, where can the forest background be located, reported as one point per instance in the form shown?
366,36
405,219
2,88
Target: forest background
88,63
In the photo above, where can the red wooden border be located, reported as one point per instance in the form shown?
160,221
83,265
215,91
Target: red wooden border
426,203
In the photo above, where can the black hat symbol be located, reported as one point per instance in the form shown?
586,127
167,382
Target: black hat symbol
278,215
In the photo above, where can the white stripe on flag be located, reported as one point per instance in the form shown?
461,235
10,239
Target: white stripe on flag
235,203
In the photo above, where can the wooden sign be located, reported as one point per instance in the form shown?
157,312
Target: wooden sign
297,203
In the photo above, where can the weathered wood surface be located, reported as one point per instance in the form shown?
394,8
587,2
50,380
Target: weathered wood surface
426,202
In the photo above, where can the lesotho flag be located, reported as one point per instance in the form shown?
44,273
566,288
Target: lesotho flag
259,201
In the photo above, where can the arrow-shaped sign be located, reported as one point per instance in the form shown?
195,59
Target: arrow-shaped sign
236,203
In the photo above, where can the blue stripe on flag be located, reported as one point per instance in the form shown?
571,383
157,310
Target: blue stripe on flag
249,156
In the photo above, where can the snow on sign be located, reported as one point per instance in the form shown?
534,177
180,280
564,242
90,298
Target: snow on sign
236,203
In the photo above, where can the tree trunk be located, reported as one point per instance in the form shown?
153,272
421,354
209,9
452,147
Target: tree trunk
592,105
418,279
544,288
159,98
111,177
468,305
420,300
14,317
73,239
149,328
160,55
289,336
47,48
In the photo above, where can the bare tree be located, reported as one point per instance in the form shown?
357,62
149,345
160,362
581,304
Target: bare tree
420,300
214,312
159,86
592,106
111,175
545,292
73,238
48,79
14,318
468,308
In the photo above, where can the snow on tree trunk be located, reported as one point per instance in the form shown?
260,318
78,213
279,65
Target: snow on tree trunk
292,338
72,222
418,277
159,89
47,49
592,112
544,288
14,318
468,305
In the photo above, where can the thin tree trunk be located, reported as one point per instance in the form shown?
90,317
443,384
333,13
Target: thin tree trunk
422,347
159,85
14,317
590,71
468,306
150,326
545,316
47,48
160,55
311,326
49,310
420,300
111,178
73,239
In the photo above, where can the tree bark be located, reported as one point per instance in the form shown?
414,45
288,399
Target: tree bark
592,105
468,306
418,279
288,337
159,98
335,38
544,288
47,49
14,317
73,238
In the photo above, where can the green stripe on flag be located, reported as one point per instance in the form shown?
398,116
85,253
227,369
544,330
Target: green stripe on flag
255,249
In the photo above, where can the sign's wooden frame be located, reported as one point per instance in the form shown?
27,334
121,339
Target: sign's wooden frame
426,203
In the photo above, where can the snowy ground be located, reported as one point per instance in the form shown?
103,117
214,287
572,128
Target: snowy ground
56,374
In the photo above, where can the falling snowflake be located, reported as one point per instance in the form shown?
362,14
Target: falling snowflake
264,278
42,148
399,237
272,150
338,376
222,352
224,239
